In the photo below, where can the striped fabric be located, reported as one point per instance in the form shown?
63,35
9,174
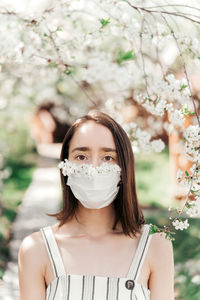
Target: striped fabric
92,287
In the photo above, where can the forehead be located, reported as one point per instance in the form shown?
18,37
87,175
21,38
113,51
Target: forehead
92,135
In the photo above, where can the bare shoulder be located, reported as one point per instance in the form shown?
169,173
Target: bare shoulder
159,241
160,250
32,267
32,248
159,244
32,242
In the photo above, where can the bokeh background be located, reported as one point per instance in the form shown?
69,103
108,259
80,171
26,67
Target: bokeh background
59,60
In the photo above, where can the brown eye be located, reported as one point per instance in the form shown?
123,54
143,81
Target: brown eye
80,157
108,158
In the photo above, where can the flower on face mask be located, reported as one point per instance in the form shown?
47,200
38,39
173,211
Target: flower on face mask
87,170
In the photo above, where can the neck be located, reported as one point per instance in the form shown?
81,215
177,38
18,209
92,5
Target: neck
95,222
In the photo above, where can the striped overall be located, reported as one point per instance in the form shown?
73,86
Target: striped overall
92,287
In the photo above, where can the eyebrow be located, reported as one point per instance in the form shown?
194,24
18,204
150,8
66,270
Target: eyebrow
106,149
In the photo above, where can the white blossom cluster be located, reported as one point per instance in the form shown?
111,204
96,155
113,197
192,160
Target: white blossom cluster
161,92
141,139
177,117
70,168
194,209
180,225
185,179
192,143
188,43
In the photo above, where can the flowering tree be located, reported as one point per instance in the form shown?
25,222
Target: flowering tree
105,52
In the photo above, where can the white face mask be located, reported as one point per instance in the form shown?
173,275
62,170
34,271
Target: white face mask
93,187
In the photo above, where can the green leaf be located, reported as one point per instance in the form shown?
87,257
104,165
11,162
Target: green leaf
105,22
153,229
186,112
188,205
198,57
58,29
186,173
124,56
183,86
68,72
169,235
45,34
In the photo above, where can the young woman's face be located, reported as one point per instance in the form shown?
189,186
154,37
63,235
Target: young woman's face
92,143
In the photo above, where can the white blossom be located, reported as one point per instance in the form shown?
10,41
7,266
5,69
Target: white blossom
192,133
158,145
180,225
87,170
177,117
194,168
194,210
196,279
179,174
169,107
170,208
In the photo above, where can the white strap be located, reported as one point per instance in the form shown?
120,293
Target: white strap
53,251
140,253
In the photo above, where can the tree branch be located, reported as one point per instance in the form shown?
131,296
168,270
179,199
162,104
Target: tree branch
184,67
161,12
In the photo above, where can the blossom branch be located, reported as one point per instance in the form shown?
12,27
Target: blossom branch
66,66
166,228
174,5
184,66
142,56
187,196
83,90
163,12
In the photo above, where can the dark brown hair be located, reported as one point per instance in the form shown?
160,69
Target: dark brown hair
127,208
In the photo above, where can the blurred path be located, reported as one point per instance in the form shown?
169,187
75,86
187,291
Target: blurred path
42,196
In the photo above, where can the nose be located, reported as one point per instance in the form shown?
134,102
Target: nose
95,161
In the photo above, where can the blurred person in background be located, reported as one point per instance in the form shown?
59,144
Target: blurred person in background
46,127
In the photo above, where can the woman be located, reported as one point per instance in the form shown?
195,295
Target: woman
100,248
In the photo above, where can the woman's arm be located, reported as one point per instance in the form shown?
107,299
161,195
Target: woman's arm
161,282
31,268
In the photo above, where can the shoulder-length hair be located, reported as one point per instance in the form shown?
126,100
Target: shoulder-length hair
127,208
